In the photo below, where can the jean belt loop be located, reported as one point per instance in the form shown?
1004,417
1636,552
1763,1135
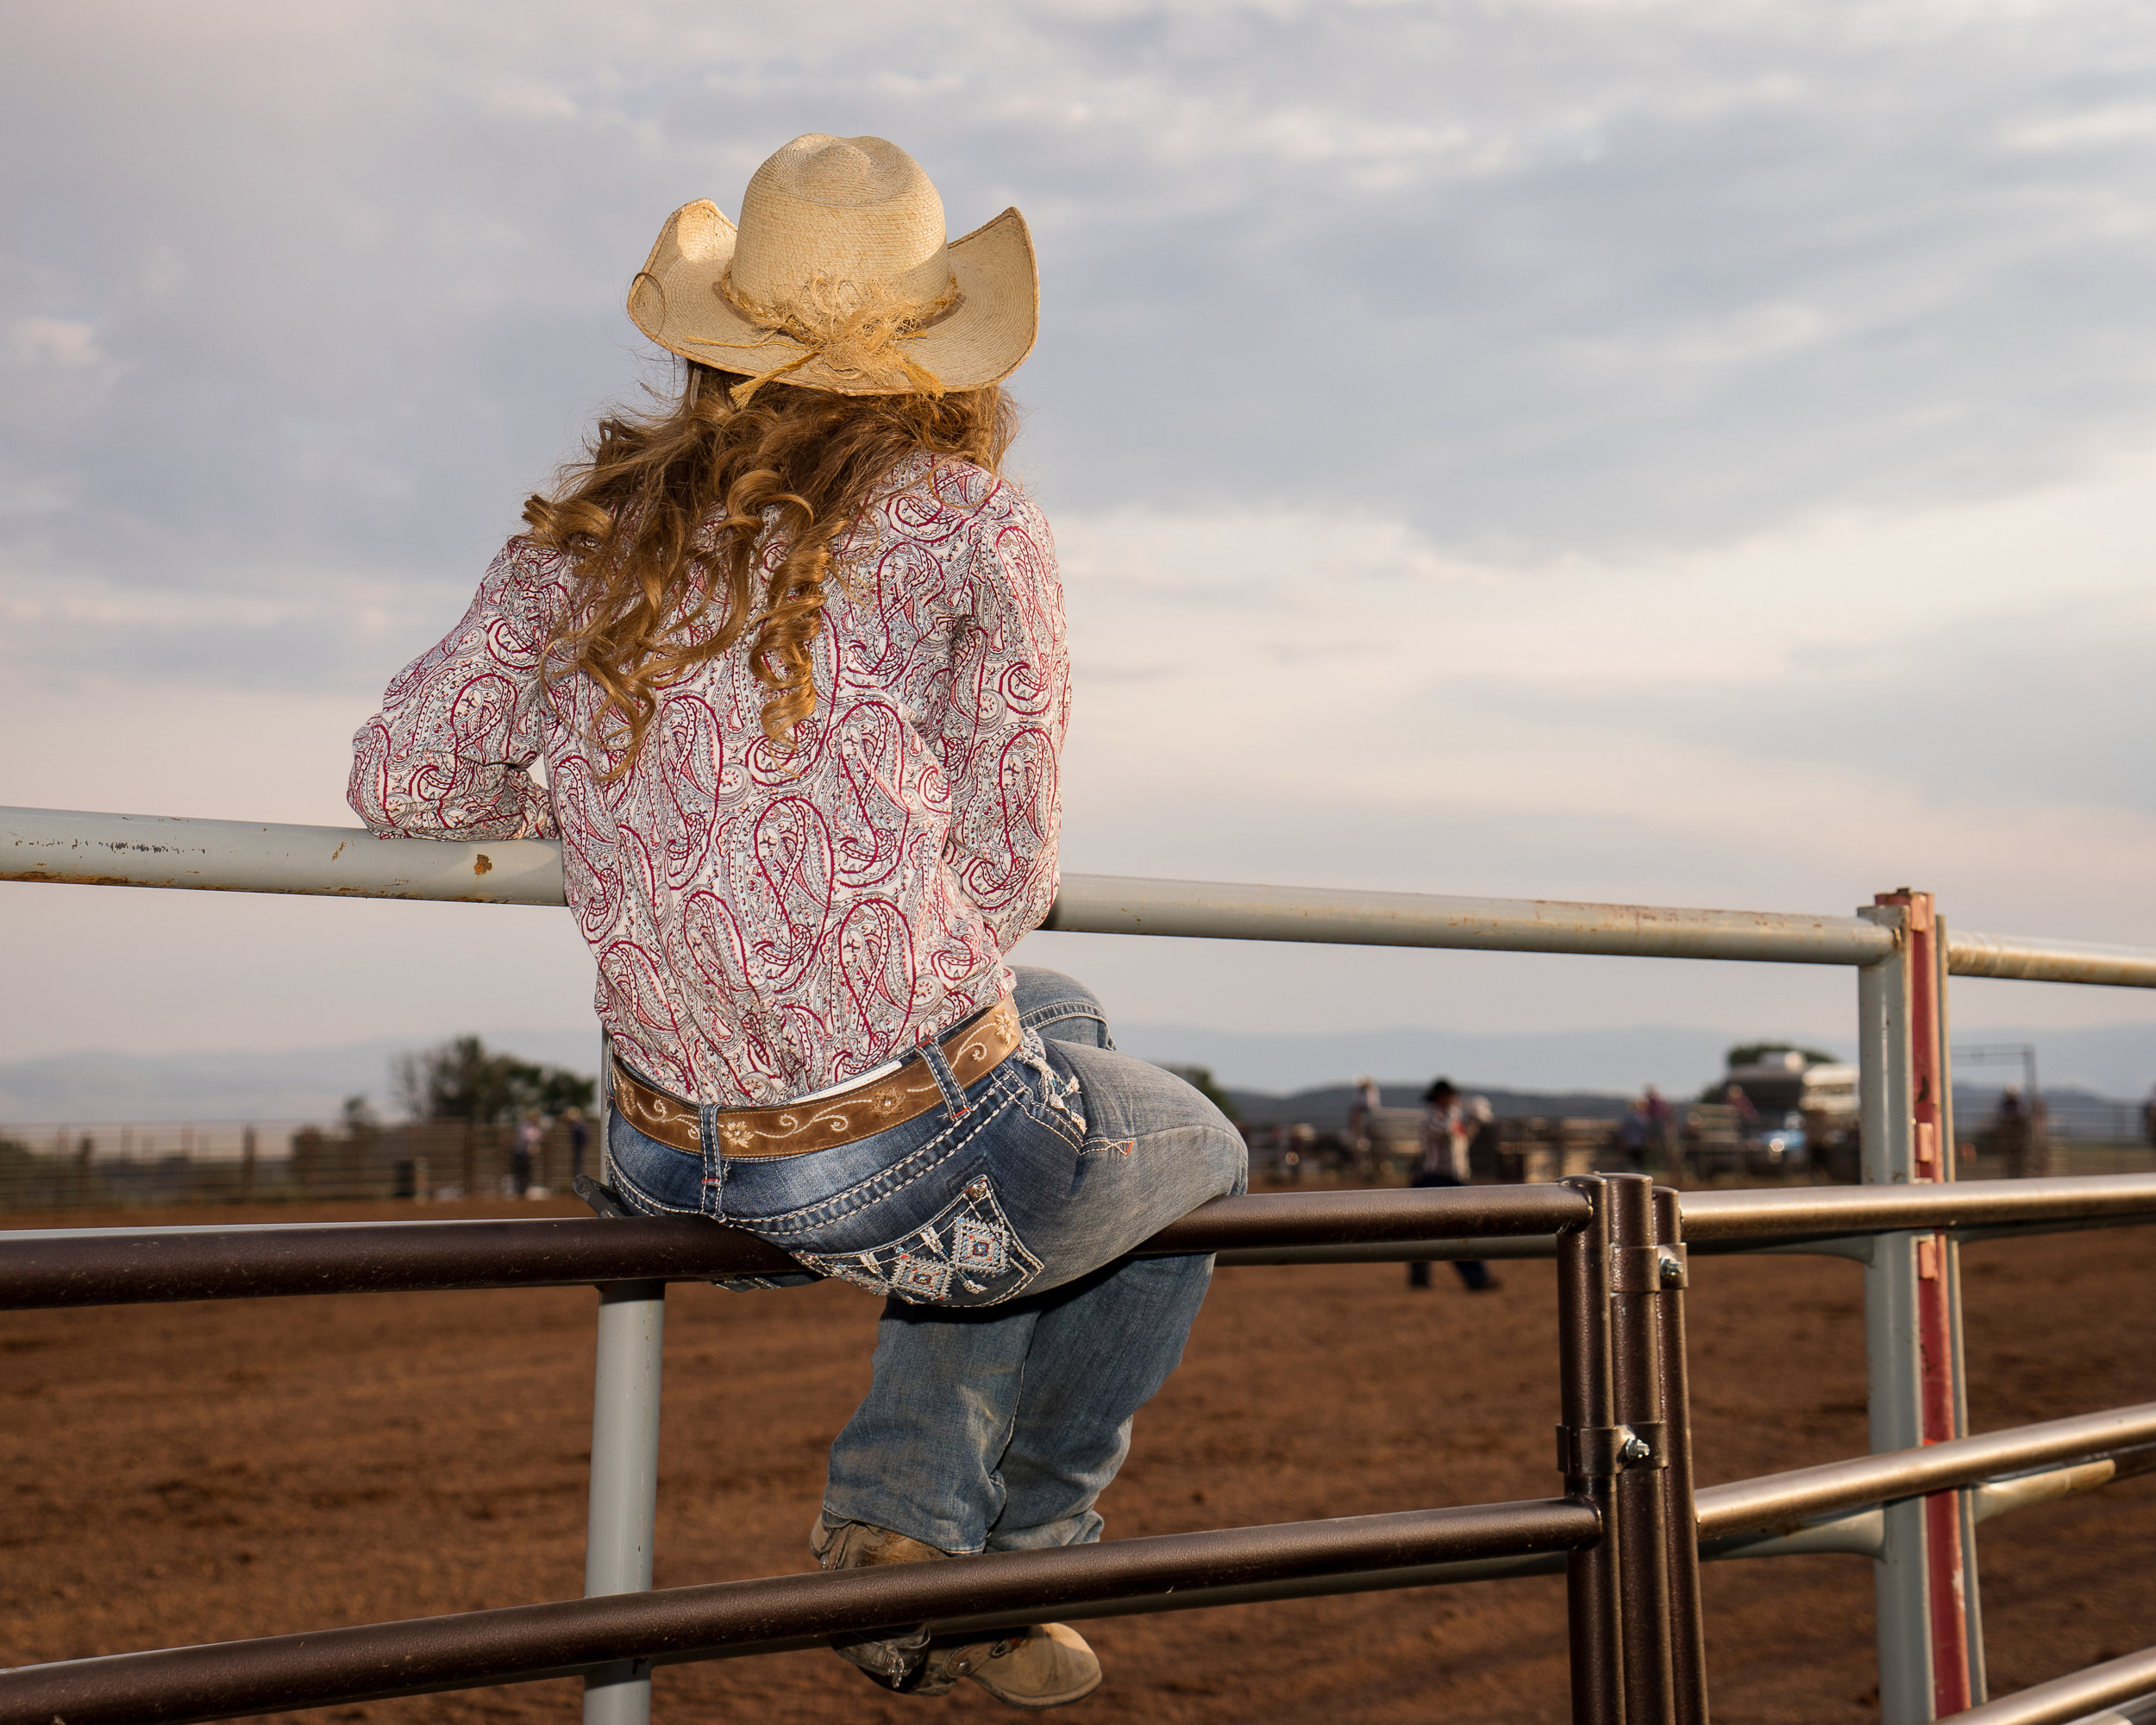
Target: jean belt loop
714,1201
955,1103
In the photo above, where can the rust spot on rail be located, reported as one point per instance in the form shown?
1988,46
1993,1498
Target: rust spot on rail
51,877
128,847
62,879
482,864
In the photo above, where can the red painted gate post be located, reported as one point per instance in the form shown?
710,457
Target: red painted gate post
1930,1660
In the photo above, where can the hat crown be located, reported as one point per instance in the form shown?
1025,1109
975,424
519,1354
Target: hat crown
852,211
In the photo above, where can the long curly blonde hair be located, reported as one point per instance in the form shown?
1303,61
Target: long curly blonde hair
672,513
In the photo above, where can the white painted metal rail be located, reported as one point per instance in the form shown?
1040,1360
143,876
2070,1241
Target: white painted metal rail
65,846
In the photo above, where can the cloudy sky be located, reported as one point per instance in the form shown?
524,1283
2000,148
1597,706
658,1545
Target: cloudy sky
1683,453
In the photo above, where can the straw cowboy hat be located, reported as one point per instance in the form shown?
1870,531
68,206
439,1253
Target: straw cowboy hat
840,278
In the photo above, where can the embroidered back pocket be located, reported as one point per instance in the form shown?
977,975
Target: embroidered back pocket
969,1255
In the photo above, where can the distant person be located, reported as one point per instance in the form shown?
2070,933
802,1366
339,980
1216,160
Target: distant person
1362,1132
1483,1138
2010,1132
2017,1127
579,1136
1635,1133
1747,1115
1445,1133
1302,1147
1658,1121
524,1152
1286,1150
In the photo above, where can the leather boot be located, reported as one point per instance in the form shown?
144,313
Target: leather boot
1046,1665
901,1664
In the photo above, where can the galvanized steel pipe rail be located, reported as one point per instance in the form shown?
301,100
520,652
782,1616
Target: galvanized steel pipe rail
1776,1500
1836,1219
2079,1697
131,1266
1619,1525
116,1266
774,1614
1632,1601
69,847
780,1614
1761,1216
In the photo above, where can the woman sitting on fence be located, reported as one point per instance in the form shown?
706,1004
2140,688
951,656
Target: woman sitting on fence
794,650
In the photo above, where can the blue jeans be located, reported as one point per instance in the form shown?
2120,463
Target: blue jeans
1014,1348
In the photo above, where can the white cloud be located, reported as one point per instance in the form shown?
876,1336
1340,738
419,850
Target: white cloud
54,342
2124,123
1264,672
535,101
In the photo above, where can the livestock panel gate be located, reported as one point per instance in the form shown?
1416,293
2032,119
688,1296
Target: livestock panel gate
1628,1528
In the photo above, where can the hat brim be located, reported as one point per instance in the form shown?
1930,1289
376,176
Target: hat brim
980,340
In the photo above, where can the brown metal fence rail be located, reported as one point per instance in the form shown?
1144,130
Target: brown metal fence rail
1628,1529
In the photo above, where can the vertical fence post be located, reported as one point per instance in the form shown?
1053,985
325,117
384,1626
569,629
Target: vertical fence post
1687,1635
624,1480
1643,1521
624,1505
1594,1628
1950,1261
1928,1661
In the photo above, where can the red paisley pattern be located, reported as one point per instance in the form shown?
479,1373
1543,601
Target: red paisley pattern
765,925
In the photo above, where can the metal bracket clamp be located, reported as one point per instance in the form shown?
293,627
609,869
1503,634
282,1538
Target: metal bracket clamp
1647,1268
605,1203
1604,1452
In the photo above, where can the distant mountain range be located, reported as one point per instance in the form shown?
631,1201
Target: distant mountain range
2075,1113
1325,1107
1578,1072
303,1084
2114,1060
1618,1061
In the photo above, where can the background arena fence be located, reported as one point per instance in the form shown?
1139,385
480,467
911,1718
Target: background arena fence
1628,1531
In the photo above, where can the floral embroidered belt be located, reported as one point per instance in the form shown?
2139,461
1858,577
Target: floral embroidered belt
974,1050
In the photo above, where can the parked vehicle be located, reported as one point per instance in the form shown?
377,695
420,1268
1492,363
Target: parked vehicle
1784,1148
1804,1115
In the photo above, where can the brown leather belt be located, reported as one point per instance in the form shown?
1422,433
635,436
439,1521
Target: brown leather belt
974,1049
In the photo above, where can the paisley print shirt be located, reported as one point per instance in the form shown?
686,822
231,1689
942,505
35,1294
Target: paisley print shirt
768,924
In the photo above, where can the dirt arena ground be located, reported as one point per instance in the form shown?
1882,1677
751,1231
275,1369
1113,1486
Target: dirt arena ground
191,1473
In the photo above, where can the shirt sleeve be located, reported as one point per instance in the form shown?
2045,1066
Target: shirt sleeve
449,755
1000,736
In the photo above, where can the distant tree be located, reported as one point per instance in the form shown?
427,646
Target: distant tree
1750,1053
554,1089
454,1081
462,1079
18,1165
32,1179
1200,1078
